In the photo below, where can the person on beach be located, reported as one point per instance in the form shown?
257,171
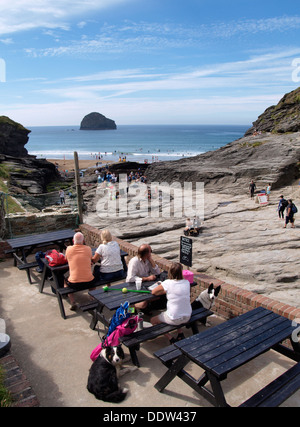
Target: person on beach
252,188
79,257
108,252
62,197
179,308
142,265
268,191
188,224
281,207
289,214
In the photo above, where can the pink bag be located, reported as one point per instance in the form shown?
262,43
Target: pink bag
126,328
188,275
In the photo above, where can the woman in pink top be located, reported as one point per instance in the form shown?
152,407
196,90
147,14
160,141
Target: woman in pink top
79,258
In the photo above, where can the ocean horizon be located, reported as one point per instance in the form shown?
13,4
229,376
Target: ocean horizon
138,143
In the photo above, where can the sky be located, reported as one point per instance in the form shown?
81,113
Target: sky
146,61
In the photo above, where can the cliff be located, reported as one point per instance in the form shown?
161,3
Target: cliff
26,174
272,154
13,137
281,118
96,121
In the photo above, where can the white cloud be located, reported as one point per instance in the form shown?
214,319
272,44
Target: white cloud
152,36
21,15
259,74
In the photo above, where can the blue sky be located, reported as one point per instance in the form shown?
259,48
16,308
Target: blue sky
146,61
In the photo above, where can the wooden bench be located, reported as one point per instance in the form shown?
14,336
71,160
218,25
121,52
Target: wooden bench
134,340
168,355
60,292
279,390
25,265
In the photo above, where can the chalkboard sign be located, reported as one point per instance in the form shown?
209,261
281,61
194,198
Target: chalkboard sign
186,249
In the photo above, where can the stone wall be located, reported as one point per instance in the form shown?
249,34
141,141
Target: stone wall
33,223
232,300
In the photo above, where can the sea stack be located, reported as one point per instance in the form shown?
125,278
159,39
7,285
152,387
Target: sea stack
96,121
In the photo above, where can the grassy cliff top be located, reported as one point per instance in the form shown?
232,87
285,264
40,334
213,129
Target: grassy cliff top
4,120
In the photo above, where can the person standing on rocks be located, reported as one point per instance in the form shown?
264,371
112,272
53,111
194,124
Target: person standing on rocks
62,197
281,207
252,188
289,214
268,191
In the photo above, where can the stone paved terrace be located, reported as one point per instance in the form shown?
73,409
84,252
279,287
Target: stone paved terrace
53,355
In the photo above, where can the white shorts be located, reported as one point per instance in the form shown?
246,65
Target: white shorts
164,318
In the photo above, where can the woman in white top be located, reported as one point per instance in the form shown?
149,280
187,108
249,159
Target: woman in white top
108,253
177,291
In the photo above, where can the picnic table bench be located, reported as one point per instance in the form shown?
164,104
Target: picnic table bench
25,266
22,247
224,348
134,340
278,391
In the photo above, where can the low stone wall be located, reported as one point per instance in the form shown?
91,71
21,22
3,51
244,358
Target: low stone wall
232,300
33,223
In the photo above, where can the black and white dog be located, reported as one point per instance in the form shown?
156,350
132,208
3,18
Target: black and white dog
103,375
207,298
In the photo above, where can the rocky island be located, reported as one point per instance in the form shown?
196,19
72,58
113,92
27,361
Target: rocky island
96,121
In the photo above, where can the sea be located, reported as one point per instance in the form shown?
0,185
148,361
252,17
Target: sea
139,143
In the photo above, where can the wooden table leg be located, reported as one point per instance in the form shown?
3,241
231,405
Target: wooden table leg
217,391
173,371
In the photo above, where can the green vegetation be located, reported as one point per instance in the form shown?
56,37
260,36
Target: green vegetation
6,399
4,120
252,144
12,205
57,185
4,171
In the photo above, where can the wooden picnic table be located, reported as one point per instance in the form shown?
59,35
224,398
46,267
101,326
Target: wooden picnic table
224,348
26,244
21,247
112,299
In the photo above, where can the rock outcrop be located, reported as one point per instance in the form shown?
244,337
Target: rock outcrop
281,118
269,152
13,137
96,121
26,174
264,158
29,175
241,242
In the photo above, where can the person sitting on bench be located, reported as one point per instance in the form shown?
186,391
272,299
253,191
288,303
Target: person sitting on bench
109,254
179,308
142,265
79,257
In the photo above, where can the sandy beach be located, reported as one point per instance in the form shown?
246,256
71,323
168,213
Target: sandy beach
69,164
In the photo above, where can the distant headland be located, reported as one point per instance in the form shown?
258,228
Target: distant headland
96,121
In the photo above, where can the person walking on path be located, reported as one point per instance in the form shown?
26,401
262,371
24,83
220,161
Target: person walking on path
289,214
281,207
62,197
252,188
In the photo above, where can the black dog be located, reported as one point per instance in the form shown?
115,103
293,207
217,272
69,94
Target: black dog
103,377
